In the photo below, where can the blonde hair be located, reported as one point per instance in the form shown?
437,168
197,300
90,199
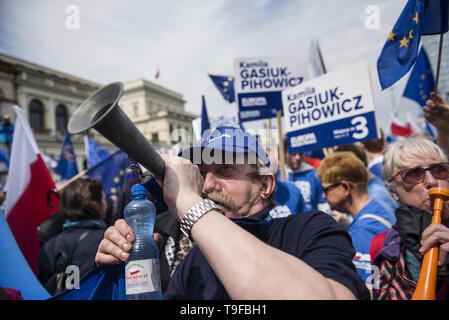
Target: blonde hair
400,154
343,165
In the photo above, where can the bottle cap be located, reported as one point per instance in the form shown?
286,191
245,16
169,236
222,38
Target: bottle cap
138,190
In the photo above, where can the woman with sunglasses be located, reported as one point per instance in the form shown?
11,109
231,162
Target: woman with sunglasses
410,168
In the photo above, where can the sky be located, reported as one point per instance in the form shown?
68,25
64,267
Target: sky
188,39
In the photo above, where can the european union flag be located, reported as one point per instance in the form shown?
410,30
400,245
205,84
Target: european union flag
205,124
421,82
399,53
401,49
436,14
67,167
112,172
224,84
94,152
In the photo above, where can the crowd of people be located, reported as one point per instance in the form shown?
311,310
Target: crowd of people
321,234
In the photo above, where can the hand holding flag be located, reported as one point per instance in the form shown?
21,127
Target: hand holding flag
436,111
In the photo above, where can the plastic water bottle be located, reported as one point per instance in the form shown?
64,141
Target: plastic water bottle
142,271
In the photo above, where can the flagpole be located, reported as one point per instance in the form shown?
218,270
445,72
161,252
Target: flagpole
66,183
320,56
326,151
281,145
439,63
269,133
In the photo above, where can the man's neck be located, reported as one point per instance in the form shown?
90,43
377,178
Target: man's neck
357,203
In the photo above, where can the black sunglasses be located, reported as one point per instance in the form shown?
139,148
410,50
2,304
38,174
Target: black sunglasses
332,186
416,175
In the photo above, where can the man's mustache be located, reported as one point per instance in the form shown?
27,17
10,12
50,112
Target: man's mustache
222,199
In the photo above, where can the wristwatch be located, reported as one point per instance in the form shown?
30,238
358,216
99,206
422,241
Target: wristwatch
195,213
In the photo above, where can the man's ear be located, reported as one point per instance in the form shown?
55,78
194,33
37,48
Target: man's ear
267,185
347,186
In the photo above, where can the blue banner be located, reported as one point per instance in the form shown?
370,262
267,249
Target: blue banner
260,105
15,273
344,131
259,83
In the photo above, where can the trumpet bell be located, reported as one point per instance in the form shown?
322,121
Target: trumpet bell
95,108
101,112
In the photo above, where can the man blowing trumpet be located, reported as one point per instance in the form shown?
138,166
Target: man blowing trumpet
241,252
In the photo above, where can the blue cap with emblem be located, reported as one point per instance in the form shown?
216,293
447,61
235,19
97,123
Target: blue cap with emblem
226,139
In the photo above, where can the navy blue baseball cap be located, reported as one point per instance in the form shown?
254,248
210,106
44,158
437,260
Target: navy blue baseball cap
226,139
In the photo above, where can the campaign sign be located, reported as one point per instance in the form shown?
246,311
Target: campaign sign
334,109
259,83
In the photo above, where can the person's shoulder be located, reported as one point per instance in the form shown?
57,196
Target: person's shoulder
378,209
287,186
370,222
309,220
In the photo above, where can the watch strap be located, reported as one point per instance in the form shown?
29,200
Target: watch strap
195,213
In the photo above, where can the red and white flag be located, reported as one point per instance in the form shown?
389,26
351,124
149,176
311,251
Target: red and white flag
29,181
399,129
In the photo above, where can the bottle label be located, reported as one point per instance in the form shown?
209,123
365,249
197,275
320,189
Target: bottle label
142,276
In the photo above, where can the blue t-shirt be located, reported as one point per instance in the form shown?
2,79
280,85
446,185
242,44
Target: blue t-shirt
375,166
288,200
377,191
376,170
314,237
309,185
362,232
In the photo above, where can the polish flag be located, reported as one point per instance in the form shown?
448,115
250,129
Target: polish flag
29,181
399,129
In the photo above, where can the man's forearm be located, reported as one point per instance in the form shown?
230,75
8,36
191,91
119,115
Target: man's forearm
251,269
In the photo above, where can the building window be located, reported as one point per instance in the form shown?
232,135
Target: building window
62,117
36,109
154,137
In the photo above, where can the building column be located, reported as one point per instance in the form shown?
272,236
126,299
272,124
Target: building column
51,118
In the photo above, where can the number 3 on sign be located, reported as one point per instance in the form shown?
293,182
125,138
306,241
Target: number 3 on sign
360,126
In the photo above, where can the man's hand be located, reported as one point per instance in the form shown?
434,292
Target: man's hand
436,111
116,244
182,185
